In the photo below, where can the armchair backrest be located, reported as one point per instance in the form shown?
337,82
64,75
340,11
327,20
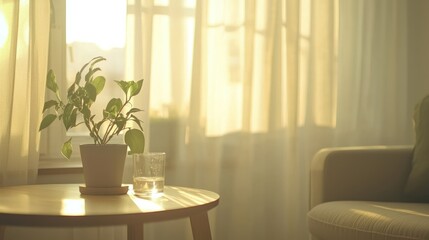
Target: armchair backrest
376,173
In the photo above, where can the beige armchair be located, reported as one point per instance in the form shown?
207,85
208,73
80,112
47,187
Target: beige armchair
357,193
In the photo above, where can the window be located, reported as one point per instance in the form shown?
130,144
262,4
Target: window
82,29
79,33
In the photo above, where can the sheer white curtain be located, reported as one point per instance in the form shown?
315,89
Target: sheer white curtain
243,93
373,86
24,34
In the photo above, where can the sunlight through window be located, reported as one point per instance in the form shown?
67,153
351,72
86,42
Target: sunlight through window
90,23
96,31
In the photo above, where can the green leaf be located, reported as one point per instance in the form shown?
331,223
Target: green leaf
76,100
120,124
91,91
77,78
124,85
49,104
79,97
47,120
83,68
67,116
98,125
73,118
135,140
99,83
71,90
106,114
51,83
130,88
135,87
91,72
133,110
96,60
67,149
113,107
86,112
136,120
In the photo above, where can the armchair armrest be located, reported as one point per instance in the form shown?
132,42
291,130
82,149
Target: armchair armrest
360,173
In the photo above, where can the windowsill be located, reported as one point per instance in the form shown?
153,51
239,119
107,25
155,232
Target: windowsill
60,166
54,166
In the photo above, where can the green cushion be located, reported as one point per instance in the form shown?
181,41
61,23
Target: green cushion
417,186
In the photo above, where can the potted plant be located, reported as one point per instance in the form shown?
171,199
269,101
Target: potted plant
100,157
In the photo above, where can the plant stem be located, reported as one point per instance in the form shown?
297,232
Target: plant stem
106,137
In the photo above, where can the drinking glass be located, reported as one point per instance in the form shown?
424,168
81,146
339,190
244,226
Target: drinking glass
149,173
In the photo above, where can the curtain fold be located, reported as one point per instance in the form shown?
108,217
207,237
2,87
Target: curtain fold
24,51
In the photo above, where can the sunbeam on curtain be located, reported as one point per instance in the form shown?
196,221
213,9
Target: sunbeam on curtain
235,83
24,34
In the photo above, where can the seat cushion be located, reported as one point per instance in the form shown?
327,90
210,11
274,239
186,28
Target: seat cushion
356,220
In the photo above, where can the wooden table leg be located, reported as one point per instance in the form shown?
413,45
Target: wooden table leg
135,231
201,227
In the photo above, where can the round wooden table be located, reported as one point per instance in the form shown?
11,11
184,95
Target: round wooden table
62,205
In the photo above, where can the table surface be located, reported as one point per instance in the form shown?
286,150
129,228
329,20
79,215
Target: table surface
63,205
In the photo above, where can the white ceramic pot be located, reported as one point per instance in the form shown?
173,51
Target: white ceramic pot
103,165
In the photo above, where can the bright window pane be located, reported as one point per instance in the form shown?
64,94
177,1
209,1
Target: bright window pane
96,21
96,31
